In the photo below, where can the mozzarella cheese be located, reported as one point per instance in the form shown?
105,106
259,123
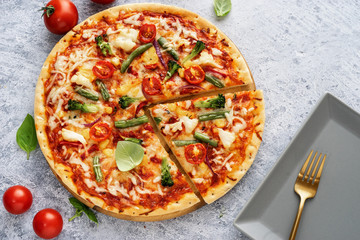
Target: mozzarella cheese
216,52
205,59
79,79
61,63
72,136
133,20
227,138
190,124
126,39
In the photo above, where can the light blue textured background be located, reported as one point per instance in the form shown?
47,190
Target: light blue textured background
297,51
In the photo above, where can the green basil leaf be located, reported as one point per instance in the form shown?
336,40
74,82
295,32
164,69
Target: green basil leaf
222,7
80,208
91,215
76,203
26,135
128,155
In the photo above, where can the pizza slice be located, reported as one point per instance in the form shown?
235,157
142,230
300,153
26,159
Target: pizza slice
215,139
117,163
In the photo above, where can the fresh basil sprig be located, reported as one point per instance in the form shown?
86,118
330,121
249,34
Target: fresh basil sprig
80,208
26,135
222,7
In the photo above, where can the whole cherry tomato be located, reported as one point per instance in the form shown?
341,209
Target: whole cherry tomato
147,33
195,153
103,1
100,131
17,199
194,74
103,69
48,223
60,16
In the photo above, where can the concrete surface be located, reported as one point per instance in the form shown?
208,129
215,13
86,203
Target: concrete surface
297,51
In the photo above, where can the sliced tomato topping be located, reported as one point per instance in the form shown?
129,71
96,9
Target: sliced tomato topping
147,33
100,131
103,69
195,153
151,85
140,106
194,74
151,66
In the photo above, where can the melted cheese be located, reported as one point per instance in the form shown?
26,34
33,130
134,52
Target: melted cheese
90,183
205,59
133,20
126,39
72,136
216,52
75,160
79,79
114,189
61,63
227,138
190,124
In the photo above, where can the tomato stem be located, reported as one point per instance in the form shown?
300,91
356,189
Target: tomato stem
48,10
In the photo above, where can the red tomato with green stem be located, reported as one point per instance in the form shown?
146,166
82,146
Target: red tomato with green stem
48,223
103,1
60,16
17,199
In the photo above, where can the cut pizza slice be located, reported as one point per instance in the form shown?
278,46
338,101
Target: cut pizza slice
215,139
118,165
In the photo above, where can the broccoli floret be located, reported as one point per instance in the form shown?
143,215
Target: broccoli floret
172,68
125,101
217,102
166,180
104,46
196,50
87,108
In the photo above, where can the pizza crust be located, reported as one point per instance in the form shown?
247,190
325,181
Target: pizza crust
189,202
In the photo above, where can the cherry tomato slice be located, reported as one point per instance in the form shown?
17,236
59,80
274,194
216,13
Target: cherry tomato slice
48,223
103,69
147,33
17,199
195,153
100,131
151,85
194,74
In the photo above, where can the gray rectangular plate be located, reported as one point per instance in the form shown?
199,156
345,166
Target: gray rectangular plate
332,128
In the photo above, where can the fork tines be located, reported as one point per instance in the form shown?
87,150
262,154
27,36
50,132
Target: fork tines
309,168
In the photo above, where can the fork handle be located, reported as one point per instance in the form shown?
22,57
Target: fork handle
297,219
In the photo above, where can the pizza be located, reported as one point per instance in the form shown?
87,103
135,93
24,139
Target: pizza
214,138
93,101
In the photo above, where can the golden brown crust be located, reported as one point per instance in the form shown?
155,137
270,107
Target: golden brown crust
190,202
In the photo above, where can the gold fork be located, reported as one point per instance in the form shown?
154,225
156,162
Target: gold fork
306,186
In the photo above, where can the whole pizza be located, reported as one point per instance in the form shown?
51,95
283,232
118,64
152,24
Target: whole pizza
147,112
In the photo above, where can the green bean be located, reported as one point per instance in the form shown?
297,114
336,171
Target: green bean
97,169
212,115
131,122
205,138
87,94
164,44
137,52
214,80
157,120
104,92
134,140
180,143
